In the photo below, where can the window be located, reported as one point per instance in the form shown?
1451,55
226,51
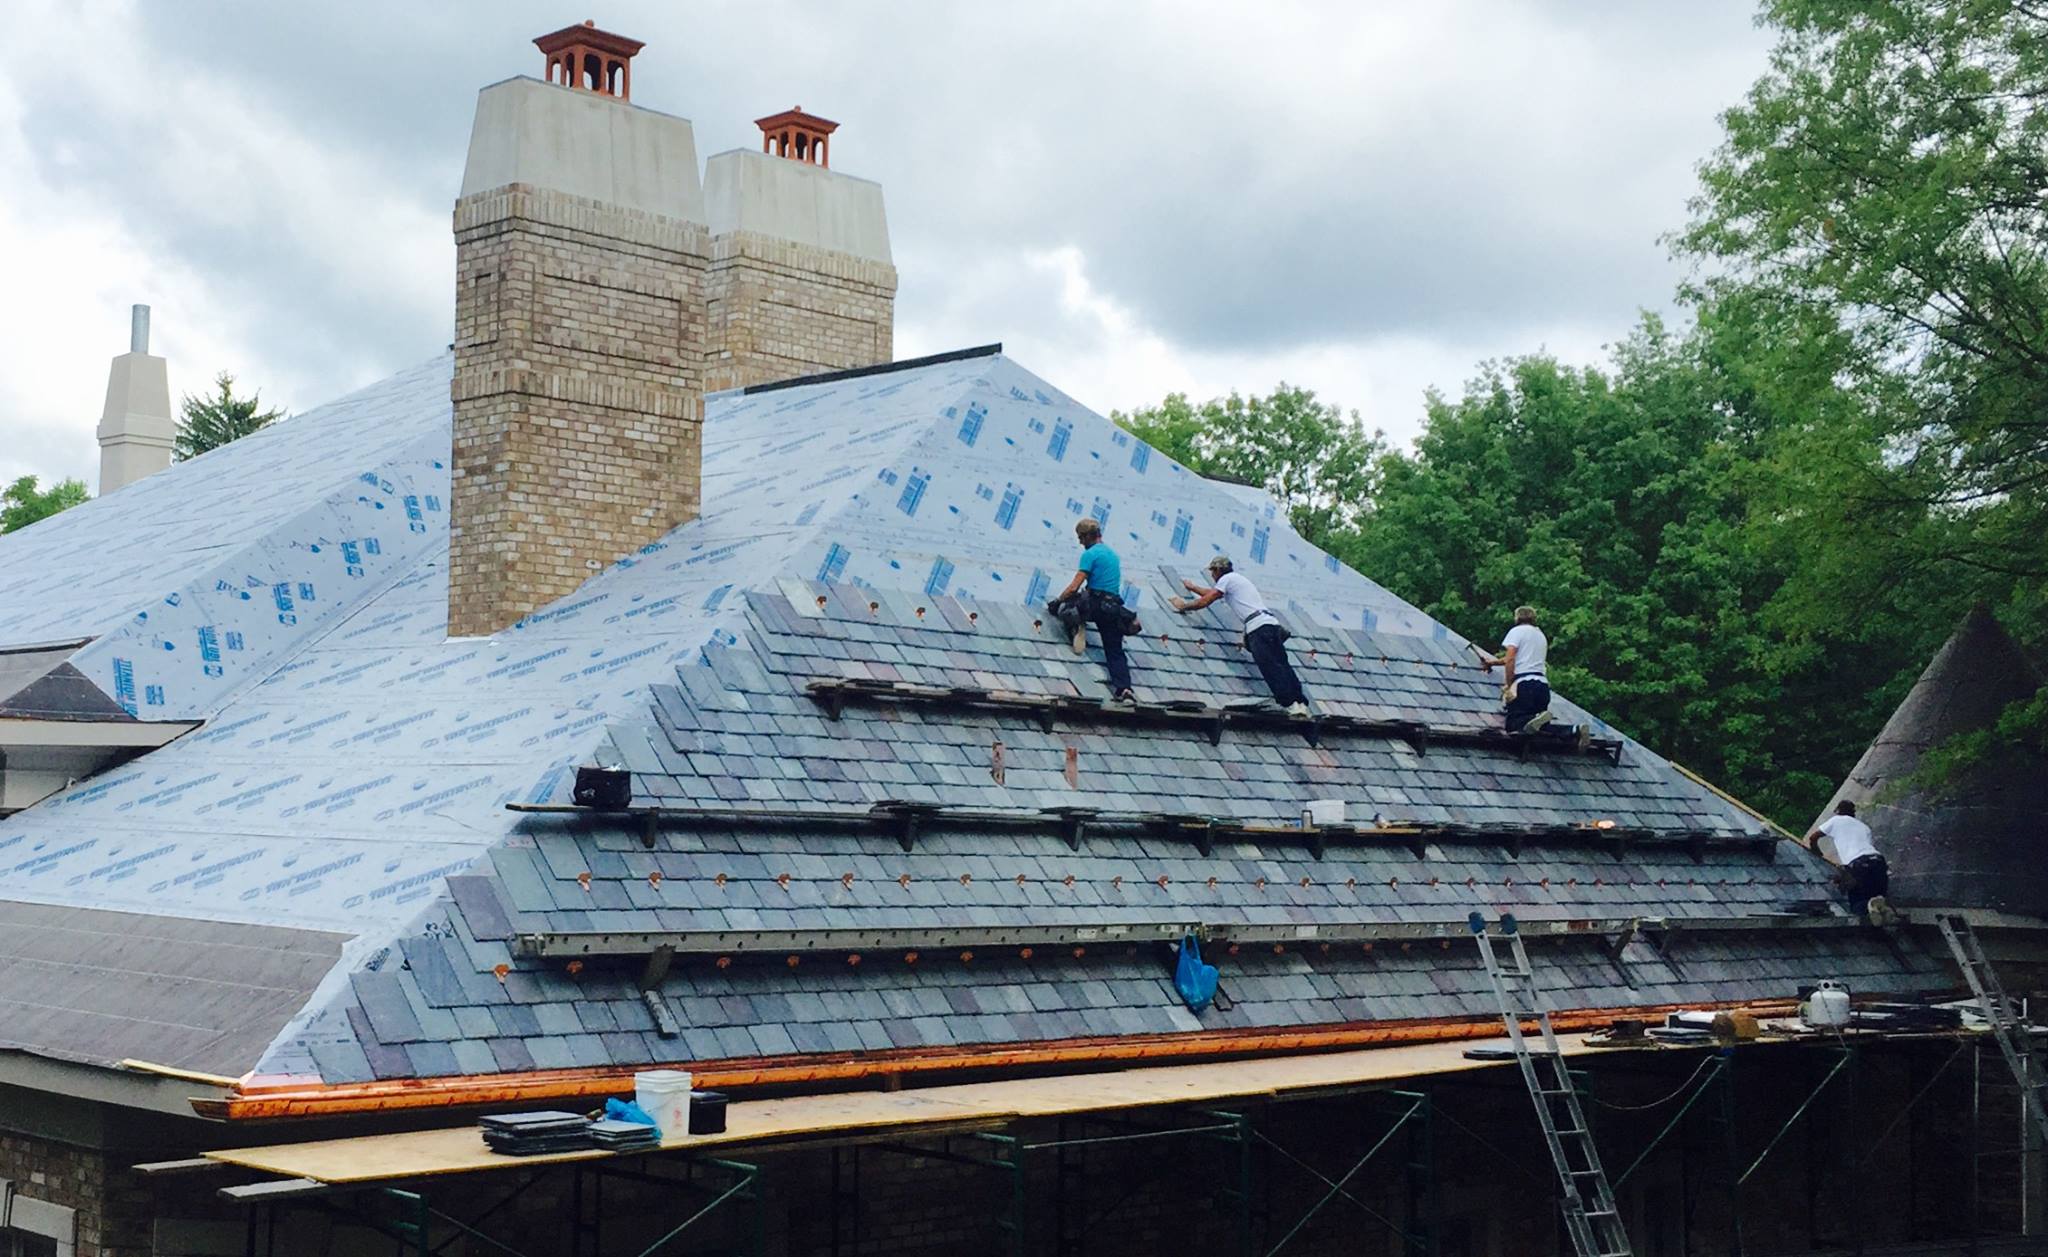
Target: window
33,1228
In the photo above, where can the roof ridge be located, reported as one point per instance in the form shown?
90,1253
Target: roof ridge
991,349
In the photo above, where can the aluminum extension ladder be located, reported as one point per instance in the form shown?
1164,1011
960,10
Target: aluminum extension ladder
1999,1012
1590,1214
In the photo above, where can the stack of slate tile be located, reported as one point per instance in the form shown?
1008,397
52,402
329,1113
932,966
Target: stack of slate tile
620,1136
528,1134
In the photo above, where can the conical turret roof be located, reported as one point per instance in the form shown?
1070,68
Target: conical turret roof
1977,841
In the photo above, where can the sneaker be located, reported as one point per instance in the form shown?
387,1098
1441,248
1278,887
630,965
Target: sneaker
1298,709
1127,698
1880,912
1537,721
1585,737
1081,640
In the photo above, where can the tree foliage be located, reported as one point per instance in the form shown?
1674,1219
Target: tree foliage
1747,539
1617,502
23,503
1315,459
1880,192
209,422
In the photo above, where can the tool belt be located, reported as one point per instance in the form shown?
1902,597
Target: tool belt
1259,619
1091,604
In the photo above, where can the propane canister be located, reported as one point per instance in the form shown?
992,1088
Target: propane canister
1828,1006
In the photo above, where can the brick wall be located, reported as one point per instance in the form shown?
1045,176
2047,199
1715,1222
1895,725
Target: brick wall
578,394
110,1204
778,309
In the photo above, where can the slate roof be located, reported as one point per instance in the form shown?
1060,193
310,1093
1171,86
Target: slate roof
437,1016
356,766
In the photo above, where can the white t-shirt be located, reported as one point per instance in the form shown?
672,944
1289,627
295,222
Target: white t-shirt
1531,650
1242,595
1850,836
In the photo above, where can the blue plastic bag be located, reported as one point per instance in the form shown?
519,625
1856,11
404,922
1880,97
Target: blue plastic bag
616,1110
1195,981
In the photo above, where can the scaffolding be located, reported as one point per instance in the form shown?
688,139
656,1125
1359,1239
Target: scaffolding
1268,1183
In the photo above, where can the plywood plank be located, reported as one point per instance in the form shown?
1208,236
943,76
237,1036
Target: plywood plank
461,1150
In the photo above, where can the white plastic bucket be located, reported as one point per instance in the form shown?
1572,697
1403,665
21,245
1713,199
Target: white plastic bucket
1319,812
665,1095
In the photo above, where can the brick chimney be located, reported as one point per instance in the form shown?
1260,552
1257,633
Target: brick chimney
136,430
581,251
600,292
801,278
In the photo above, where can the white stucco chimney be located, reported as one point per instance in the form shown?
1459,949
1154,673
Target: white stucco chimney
136,428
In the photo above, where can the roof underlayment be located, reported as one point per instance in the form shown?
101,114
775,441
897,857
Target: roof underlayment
354,771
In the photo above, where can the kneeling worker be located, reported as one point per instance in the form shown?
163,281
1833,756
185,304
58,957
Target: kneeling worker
1263,634
1096,593
1526,688
1863,876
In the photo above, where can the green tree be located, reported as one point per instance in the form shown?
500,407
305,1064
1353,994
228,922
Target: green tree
1879,195
22,503
1615,502
207,423
1315,459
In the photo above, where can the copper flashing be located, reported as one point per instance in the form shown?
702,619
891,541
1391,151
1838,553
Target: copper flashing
295,1098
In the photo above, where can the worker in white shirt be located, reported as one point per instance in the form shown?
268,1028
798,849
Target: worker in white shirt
1524,653
1264,635
1863,875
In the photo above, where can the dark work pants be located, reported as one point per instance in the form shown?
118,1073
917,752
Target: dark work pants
1269,651
1862,878
1531,696
1106,611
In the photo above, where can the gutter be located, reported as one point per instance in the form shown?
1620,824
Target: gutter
301,1100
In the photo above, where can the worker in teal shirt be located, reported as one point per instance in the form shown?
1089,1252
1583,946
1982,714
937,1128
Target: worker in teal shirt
1096,593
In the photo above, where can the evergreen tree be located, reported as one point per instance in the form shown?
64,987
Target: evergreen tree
207,423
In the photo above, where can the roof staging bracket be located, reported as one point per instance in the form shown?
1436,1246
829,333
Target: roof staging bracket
652,974
1617,948
834,696
1073,823
905,817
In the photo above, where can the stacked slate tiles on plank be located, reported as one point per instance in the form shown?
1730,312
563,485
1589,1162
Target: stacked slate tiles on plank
535,1134
616,1135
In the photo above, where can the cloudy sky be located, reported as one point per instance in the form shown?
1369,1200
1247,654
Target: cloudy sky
1136,198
